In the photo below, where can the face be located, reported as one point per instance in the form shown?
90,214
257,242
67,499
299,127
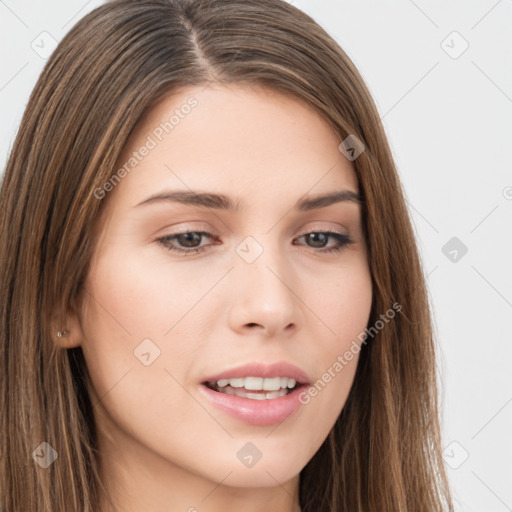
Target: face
188,295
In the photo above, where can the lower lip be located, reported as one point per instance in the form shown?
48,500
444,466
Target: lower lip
256,412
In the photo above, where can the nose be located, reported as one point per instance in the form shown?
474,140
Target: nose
263,297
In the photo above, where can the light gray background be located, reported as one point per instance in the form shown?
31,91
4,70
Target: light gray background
448,116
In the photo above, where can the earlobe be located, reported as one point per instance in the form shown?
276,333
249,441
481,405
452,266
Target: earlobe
67,333
67,338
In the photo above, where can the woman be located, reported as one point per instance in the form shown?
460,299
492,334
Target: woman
211,292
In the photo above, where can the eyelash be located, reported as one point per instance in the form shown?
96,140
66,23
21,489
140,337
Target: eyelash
343,240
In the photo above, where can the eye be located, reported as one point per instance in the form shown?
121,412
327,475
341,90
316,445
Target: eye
190,241
319,240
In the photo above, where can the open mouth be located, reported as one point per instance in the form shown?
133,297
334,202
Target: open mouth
255,388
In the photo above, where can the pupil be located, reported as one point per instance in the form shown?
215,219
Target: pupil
315,236
188,237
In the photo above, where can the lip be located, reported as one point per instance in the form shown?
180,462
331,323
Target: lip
255,369
258,412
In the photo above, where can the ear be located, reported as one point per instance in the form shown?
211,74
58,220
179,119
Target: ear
67,330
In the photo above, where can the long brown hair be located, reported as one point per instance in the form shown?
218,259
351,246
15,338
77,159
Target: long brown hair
384,452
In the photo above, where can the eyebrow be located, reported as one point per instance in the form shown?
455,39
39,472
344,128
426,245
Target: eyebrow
223,202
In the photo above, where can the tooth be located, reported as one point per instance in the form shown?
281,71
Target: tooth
237,383
255,396
254,383
276,394
272,383
242,392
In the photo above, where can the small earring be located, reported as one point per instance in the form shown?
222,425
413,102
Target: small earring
60,334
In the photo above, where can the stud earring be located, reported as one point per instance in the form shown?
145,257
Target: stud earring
60,334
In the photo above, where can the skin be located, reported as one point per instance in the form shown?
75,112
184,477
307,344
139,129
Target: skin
163,445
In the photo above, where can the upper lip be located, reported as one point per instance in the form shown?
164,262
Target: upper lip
256,369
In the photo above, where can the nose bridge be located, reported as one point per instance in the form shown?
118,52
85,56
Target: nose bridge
265,294
263,263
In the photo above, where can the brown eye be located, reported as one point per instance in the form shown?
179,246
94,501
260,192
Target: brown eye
187,242
318,240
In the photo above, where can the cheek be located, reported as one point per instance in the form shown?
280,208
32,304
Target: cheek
135,297
131,362
342,303
135,323
343,308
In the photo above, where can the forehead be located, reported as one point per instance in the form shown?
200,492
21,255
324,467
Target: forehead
256,143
